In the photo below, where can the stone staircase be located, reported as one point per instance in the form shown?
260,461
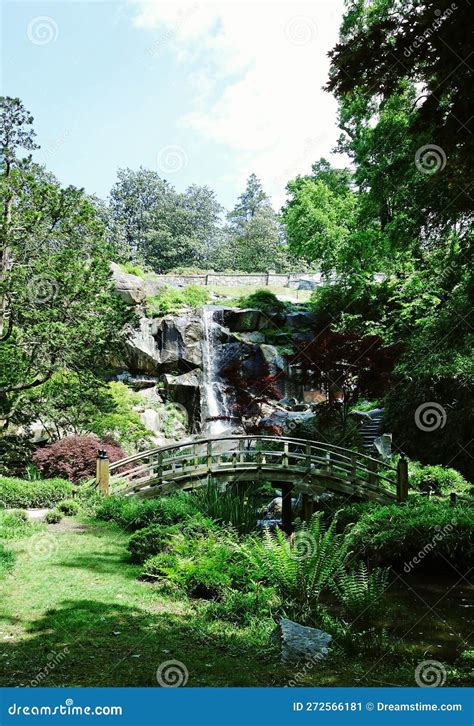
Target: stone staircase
370,430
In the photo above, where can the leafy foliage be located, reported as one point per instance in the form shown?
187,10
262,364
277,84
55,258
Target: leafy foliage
302,568
54,516
133,513
7,560
263,300
171,300
69,507
203,568
74,457
57,307
157,538
231,506
361,593
431,530
25,494
437,479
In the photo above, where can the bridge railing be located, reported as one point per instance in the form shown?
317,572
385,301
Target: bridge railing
304,463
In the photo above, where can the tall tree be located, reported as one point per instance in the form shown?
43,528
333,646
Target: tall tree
60,310
254,238
320,217
162,227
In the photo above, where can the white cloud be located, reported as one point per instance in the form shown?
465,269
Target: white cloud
258,87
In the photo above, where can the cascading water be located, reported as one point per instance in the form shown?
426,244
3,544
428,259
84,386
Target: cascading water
215,409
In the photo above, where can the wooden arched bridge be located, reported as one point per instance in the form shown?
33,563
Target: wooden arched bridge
293,465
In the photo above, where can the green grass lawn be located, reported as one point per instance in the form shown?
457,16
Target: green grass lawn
85,596
73,610
235,292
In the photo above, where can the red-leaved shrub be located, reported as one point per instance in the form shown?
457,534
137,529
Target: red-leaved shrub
74,457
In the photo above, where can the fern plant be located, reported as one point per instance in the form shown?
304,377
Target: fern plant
361,593
302,567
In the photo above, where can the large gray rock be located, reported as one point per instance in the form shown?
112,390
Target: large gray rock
131,288
179,341
242,321
299,642
142,353
300,319
186,391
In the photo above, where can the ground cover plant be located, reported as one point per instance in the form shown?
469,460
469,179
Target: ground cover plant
41,493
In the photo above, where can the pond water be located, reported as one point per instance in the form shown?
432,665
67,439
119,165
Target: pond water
435,613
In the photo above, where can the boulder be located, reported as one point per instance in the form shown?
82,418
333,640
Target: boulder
131,288
299,320
142,353
300,642
185,390
242,321
179,341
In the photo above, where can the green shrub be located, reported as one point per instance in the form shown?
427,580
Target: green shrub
263,300
26,494
244,608
14,524
202,567
361,594
439,479
54,516
122,421
171,300
133,513
228,507
7,560
157,537
429,530
69,507
187,271
132,269
300,568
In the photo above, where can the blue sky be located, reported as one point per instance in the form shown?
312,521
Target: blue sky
200,92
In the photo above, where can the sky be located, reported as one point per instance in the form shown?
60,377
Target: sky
201,92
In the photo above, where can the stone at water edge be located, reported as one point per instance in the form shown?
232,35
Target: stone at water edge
299,642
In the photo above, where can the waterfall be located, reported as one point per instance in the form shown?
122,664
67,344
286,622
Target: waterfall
215,408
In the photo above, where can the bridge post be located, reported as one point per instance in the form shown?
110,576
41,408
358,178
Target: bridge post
308,457
402,479
102,476
284,458
307,507
286,508
372,466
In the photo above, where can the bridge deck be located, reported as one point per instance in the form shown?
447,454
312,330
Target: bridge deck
309,467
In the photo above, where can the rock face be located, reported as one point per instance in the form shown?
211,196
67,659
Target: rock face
186,391
131,288
142,353
179,342
298,642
